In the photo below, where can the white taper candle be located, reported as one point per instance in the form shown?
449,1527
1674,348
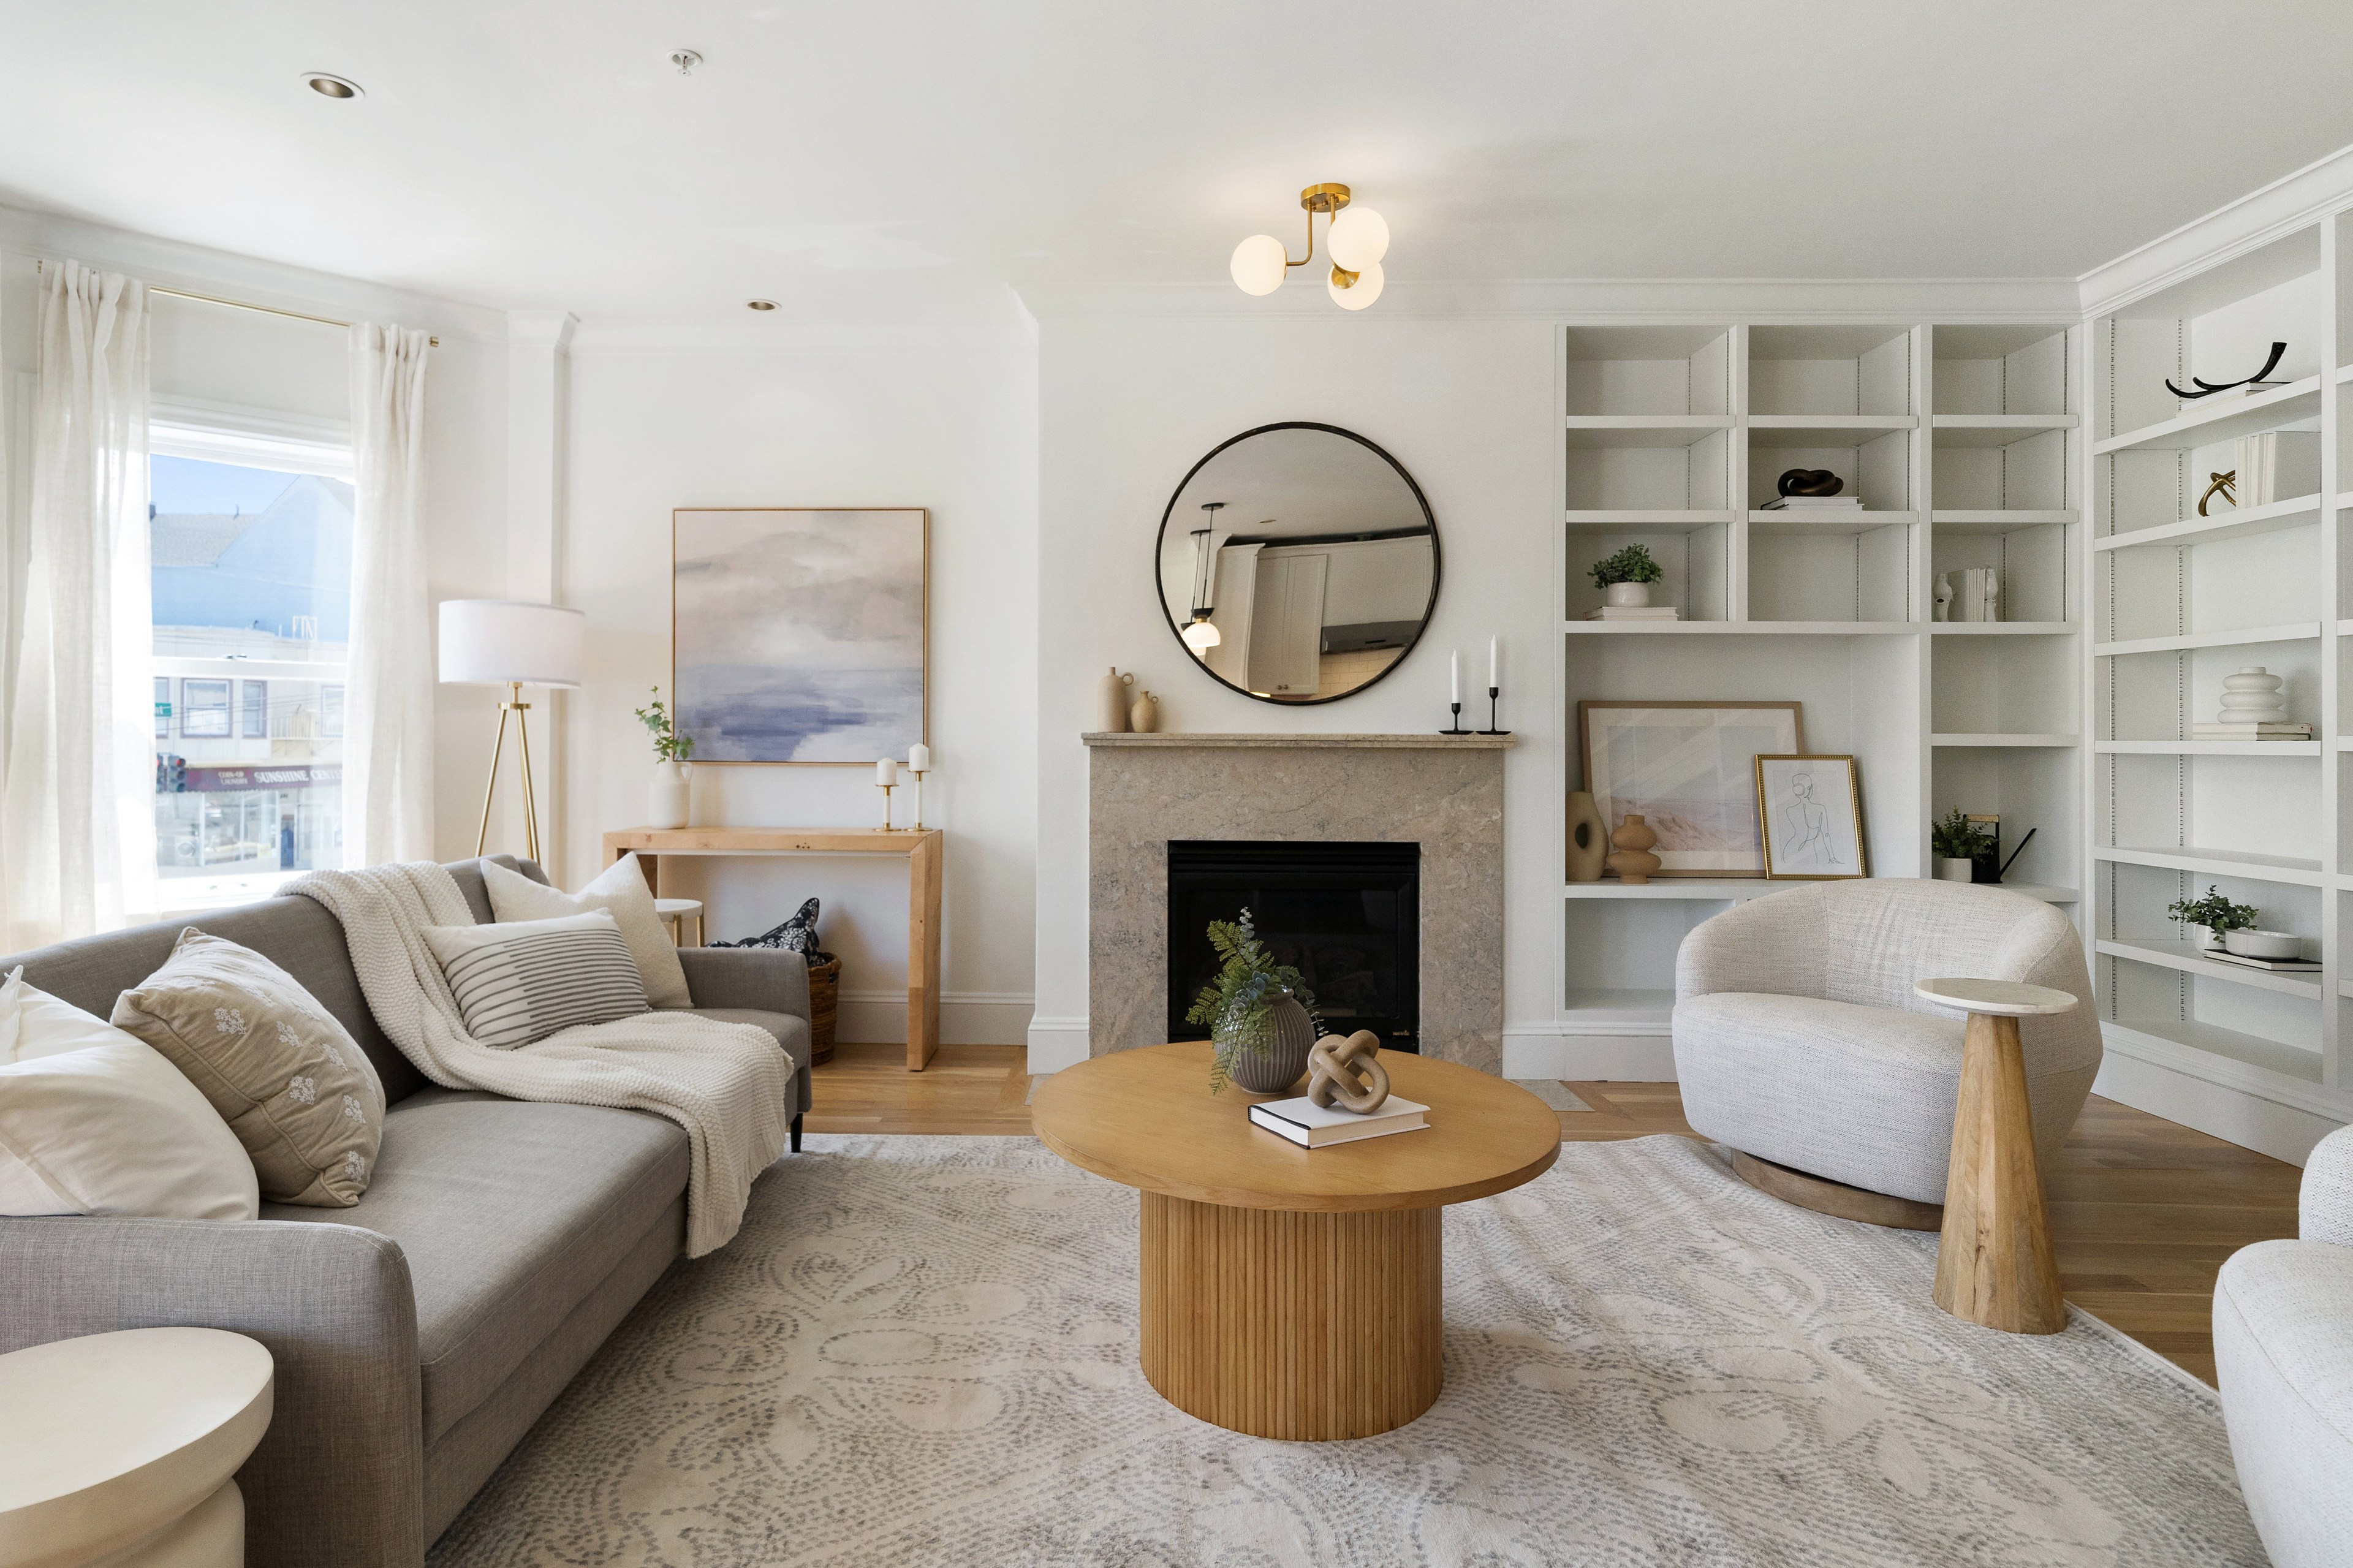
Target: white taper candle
1494,654
1454,676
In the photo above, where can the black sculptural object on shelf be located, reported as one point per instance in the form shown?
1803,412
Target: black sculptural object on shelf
2208,388
1810,482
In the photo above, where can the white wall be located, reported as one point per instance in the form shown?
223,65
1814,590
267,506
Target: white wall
878,416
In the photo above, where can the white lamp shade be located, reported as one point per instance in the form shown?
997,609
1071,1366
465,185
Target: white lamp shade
1358,239
1201,637
1359,294
1259,264
492,642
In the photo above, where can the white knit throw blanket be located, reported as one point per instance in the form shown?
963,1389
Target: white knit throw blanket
729,1084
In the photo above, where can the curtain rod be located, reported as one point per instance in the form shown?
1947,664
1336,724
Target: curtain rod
40,265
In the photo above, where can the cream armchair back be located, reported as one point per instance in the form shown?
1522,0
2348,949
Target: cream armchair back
1798,1038
2284,1355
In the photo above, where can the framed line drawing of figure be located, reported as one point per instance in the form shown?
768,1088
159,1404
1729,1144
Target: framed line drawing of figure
1809,815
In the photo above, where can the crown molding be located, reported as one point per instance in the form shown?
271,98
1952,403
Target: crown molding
2290,202
542,329
997,332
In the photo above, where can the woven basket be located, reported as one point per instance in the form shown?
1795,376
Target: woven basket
825,995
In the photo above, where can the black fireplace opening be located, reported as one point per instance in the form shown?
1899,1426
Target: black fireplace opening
1347,916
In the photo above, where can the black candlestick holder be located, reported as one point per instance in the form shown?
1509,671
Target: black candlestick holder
1492,693
1456,708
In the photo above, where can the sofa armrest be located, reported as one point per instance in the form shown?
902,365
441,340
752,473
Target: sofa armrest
338,1480
769,979
1771,944
2324,1204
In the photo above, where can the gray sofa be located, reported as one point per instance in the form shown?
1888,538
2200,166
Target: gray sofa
419,1333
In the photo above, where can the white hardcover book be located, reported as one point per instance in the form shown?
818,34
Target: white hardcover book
1313,1126
1634,613
2251,732
1808,503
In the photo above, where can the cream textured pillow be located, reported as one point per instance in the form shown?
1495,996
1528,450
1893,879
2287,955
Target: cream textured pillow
621,890
93,1122
291,1081
520,981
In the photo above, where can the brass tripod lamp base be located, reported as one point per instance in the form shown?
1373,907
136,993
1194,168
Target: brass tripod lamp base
515,705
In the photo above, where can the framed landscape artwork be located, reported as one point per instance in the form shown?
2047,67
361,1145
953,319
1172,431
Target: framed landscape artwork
1688,770
800,635
1809,810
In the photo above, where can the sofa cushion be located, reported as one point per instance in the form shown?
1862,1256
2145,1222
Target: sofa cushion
2284,1356
510,1213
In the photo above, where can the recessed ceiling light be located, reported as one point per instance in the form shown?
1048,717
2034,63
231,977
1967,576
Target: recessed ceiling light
685,60
328,85
760,304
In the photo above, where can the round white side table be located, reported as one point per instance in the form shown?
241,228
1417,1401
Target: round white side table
121,1448
675,912
1995,1264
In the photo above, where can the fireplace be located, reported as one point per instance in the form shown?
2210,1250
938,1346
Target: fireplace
1347,916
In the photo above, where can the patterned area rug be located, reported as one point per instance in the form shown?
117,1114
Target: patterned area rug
921,1351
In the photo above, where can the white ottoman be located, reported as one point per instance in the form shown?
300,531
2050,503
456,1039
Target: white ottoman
118,1448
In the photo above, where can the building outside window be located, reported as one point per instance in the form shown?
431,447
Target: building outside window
251,544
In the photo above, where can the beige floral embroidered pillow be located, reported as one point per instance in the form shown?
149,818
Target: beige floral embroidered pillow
291,1081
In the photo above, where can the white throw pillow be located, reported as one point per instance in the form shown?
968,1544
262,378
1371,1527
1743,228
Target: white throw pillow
621,890
520,981
94,1121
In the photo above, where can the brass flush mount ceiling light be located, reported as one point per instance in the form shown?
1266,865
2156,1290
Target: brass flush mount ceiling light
1356,240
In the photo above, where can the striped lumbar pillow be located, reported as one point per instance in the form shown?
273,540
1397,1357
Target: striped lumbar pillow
523,980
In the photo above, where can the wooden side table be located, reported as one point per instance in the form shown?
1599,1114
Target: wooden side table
926,849
1289,1292
1994,1261
121,1447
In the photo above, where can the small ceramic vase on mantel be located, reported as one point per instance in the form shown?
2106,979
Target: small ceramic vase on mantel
1144,716
1631,858
1111,702
667,801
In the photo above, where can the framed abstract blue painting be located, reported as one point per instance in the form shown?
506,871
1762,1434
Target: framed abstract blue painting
798,634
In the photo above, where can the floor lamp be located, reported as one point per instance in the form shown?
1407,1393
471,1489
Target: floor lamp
506,642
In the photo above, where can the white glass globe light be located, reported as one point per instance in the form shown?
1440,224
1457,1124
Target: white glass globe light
1358,239
1257,264
1359,294
1201,637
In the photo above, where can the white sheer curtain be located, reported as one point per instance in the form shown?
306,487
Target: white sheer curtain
78,807
388,705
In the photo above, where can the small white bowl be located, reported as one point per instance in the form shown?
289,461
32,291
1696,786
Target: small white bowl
2262,943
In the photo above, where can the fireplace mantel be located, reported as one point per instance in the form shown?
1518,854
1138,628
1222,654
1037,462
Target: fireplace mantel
1430,742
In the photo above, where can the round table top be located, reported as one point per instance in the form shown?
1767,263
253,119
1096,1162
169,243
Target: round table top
1996,998
669,907
119,1433
1145,1117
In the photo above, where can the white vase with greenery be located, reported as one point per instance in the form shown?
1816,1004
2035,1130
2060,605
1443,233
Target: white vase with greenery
669,799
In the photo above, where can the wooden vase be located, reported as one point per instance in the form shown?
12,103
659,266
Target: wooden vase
1631,858
1588,837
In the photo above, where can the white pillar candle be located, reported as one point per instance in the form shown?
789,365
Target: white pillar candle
919,758
886,772
1495,651
1454,676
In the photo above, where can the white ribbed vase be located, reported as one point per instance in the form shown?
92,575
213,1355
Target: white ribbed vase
2254,696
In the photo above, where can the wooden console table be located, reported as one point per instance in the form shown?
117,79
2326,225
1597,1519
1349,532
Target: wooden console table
925,851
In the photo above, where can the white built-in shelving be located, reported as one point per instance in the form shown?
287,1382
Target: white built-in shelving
2179,601
1963,443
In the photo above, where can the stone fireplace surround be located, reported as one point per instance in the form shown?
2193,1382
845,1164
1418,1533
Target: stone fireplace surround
1444,792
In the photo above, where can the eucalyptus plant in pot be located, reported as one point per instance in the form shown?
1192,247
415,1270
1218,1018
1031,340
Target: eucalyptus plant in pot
667,800
1625,578
1259,1012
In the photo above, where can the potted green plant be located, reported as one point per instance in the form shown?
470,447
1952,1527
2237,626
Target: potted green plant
1958,842
665,802
2215,915
1259,1012
1626,577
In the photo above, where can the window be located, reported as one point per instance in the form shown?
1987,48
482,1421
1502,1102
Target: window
251,545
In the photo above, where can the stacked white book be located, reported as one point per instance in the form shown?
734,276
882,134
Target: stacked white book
1813,503
2266,732
2229,394
1634,613
2289,965
1314,1126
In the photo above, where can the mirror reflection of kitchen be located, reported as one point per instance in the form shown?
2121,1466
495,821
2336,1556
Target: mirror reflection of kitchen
1299,563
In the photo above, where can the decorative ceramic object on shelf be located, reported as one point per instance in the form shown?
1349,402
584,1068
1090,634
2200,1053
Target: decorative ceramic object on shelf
1625,578
2252,384
2254,696
2215,918
1111,702
1944,610
1628,595
1950,869
1631,858
1143,715
1978,595
667,800
1808,482
1588,837
2252,944
1347,1073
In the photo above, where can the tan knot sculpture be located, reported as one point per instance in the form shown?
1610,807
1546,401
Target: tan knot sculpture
1347,1072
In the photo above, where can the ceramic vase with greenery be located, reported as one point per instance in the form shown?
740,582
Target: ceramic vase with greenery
667,800
1259,1012
2215,914
1958,842
1626,577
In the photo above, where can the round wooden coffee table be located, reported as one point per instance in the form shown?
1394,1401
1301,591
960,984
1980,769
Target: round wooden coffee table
1291,1292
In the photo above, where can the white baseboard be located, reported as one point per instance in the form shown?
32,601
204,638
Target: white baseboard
967,1017
2166,1079
1057,1043
1589,1059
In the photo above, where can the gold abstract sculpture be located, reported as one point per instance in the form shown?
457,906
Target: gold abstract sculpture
1349,1073
2224,485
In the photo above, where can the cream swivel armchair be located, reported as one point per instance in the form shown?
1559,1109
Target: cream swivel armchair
1799,1041
2284,1355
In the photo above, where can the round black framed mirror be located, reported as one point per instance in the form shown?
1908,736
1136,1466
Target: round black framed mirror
1298,563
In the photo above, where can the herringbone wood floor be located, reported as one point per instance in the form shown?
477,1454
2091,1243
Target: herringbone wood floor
2146,1210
